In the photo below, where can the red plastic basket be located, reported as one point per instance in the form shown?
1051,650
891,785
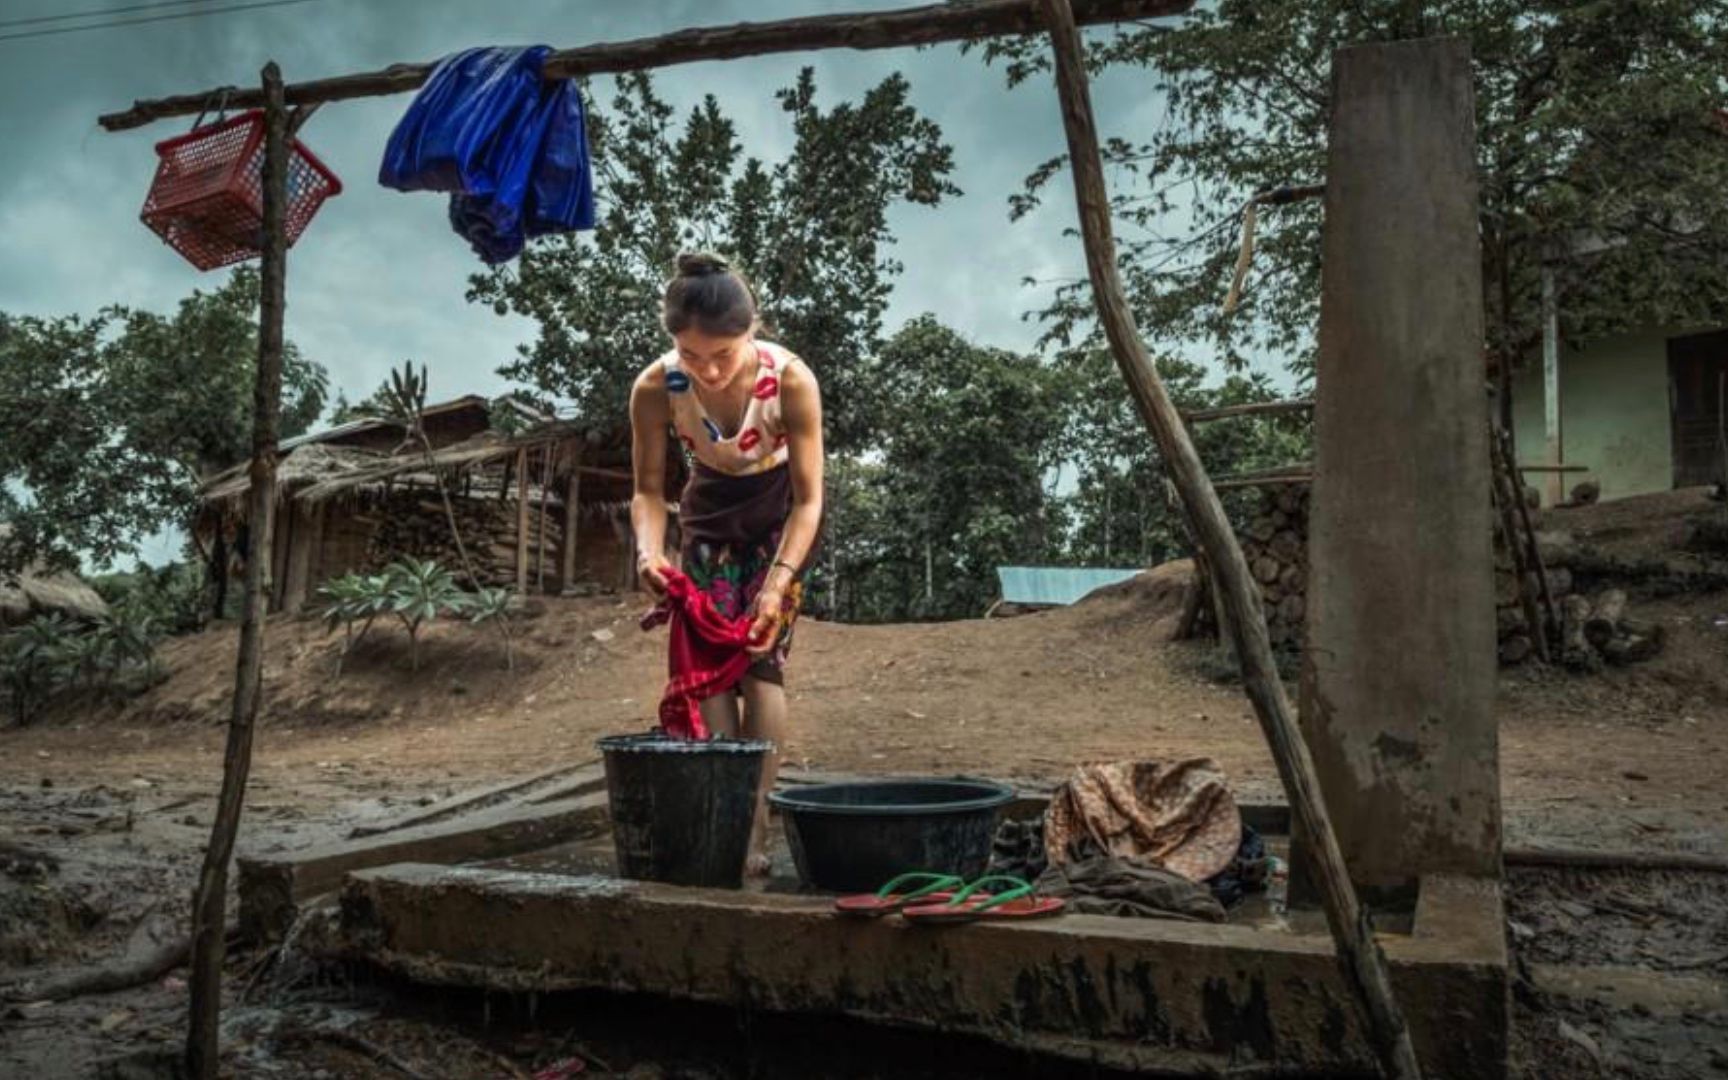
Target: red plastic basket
207,201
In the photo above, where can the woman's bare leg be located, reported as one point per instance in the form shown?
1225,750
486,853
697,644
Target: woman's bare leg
764,718
720,713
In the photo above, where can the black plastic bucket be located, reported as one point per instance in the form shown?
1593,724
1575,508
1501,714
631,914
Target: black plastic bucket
854,837
682,810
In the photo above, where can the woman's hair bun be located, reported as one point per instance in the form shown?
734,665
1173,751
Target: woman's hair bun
700,264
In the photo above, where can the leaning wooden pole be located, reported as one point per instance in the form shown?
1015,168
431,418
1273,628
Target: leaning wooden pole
209,902
1364,965
927,25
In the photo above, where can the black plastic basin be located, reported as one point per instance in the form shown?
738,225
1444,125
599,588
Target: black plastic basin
855,837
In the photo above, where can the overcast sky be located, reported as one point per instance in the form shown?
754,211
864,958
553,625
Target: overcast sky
379,277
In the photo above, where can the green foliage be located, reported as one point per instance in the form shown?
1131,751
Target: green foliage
1596,122
52,654
492,606
954,483
30,663
112,421
414,592
1123,514
419,591
174,597
811,232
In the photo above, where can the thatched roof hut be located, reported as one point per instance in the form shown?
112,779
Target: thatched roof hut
38,591
542,509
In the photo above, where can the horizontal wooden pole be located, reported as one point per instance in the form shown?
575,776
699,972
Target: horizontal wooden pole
1301,469
927,25
1256,408
1293,479
1553,468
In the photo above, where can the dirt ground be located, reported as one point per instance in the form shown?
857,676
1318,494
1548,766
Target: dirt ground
1634,758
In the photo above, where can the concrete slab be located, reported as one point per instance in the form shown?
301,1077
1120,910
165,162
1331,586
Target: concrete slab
1167,998
274,888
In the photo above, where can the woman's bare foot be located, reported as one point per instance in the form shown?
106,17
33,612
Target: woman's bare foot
757,864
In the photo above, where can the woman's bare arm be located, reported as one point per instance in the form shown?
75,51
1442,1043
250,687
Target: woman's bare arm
649,417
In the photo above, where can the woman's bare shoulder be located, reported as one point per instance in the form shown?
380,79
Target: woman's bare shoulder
653,377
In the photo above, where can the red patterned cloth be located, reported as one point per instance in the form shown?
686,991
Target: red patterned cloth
706,655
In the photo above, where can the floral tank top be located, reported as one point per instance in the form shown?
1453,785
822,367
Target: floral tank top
760,441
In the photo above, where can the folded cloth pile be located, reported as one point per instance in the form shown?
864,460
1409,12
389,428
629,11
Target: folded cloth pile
1138,838
511,149
1179,816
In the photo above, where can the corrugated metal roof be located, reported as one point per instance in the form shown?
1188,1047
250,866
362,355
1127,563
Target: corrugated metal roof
1054,586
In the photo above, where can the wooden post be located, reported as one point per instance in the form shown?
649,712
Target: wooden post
572,516
545,509
924,25
1555,450
522,522
209,901
1364,965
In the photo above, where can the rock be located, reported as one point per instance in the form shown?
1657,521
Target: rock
602,635
1516,649
1587,493
1582,1040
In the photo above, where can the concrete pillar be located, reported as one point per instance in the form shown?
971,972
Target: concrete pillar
1398,684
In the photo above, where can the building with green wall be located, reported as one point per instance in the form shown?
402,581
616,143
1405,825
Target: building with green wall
1640,413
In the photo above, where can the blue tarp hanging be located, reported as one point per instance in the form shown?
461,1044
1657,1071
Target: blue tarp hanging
511,149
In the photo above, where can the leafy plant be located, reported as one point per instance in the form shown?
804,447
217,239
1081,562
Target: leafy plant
419,591
351,599
492,605
32,659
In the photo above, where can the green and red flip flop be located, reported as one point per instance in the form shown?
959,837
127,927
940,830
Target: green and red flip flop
972,904
913,888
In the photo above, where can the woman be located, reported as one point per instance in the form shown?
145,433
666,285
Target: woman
750,413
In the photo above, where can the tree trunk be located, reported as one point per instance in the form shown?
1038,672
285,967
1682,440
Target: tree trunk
219,574
1364,965
210,899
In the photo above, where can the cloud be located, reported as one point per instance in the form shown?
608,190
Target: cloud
379,276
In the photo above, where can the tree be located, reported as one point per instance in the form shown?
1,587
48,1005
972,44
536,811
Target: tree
811,233
1122,515
113,421
1598,126
955,481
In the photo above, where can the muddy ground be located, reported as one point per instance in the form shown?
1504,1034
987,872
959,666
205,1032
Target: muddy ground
1621,974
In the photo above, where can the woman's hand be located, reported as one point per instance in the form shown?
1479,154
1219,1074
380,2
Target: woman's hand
765,621
649,568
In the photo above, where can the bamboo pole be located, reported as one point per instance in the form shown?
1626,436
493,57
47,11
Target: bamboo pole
545,512
210,898
1509,459
522,522
927,25
572,516
1364,965
1257,408
1506,492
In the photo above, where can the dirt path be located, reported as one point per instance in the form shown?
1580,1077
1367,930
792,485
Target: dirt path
1633,757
